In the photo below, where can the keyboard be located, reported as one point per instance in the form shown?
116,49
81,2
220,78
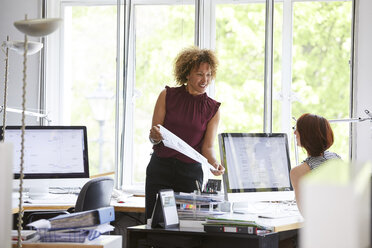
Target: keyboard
270,210
54,199
64,190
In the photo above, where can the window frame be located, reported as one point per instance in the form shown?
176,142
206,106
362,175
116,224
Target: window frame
205,37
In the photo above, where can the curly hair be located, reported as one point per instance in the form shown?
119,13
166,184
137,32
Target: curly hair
316,134
190,58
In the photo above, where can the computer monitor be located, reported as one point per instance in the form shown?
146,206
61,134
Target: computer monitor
257,167
57,156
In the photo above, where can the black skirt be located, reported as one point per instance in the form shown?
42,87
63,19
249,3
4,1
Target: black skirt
170,173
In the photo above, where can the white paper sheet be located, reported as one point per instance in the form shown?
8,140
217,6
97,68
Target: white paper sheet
172,141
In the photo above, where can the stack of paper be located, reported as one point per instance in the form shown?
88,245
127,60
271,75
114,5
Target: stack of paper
77,227
230,223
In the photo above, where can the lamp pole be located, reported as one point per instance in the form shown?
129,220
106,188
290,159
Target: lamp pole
100,143
99,101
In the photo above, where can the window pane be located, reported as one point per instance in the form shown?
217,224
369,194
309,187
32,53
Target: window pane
321,73
240,45
89,77
161,32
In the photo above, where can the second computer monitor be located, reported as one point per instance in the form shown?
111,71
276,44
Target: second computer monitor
55,156
257,166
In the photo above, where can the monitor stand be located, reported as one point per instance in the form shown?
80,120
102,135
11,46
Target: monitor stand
42,188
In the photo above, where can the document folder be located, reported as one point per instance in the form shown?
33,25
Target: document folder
235,229
83,219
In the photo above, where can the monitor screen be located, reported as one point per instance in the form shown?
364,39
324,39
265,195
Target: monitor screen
50,151
256,164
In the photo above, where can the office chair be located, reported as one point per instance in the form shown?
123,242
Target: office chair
96,193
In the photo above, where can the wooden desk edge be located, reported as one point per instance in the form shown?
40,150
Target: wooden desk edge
51,207
288,227
101,242
46,207
129,209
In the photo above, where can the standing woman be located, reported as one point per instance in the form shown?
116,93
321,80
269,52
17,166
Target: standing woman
315,135
188,112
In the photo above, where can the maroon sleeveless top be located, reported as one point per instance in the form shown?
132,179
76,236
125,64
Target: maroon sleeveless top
186,116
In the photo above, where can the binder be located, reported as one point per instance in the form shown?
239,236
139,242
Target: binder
83,219
77,235
235,229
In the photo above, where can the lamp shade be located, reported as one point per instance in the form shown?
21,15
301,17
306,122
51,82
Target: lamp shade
19,46
38,27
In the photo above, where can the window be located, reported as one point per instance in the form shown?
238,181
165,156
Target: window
240,43
87,82
161,31
311,72
321,70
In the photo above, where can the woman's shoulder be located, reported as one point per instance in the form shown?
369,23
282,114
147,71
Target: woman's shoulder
212,101
175,88
300,170
331,155
315,162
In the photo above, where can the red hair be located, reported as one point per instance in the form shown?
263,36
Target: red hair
316,134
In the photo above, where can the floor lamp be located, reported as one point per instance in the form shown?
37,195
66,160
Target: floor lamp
37,28
6,149
17,46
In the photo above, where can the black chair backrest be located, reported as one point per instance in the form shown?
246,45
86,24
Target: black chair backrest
96,193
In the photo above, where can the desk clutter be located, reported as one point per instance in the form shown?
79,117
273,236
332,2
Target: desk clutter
208,212
197,206
235,224
77,227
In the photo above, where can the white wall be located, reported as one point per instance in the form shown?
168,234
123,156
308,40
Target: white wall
11,11
363,76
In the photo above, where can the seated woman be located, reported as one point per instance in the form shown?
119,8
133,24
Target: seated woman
315,135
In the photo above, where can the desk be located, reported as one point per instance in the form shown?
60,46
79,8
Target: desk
139,236
104,241
283,228
135,204
132,205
